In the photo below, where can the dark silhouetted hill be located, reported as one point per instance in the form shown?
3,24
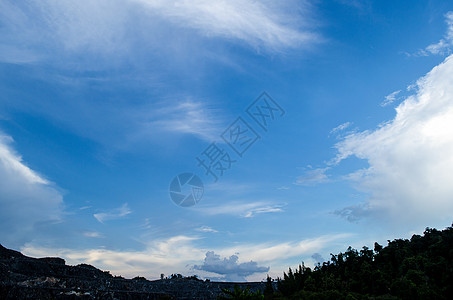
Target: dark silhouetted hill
23,277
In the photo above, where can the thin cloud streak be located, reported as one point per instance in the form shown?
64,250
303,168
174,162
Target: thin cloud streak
241,209
313,177
389,99
206,229
113,214
340,128
188,117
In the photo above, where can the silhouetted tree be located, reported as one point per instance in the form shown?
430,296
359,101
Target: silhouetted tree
419,268
269,289
240,294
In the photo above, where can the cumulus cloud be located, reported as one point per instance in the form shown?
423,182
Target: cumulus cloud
27,198
410,157
229,267
113,214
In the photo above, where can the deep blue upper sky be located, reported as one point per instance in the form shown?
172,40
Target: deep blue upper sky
103,103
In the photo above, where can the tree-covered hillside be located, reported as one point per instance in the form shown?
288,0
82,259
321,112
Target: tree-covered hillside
419,268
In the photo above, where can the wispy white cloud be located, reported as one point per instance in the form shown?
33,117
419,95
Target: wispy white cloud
146,224
340,127
261,24
30,29
92,234
362,6
267,252
444,46
206,229
114,28
237,208
188,117
340,130
389,99
410,158
113,214
312,177
110,34
26,199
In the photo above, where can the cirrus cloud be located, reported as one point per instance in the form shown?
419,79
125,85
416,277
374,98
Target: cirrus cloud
258,23
31,30
113,214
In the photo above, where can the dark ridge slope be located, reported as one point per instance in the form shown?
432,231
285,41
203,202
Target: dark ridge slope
23,277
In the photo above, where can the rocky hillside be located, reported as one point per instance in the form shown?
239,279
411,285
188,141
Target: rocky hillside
23,277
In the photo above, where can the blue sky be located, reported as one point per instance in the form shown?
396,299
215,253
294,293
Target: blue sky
103,103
